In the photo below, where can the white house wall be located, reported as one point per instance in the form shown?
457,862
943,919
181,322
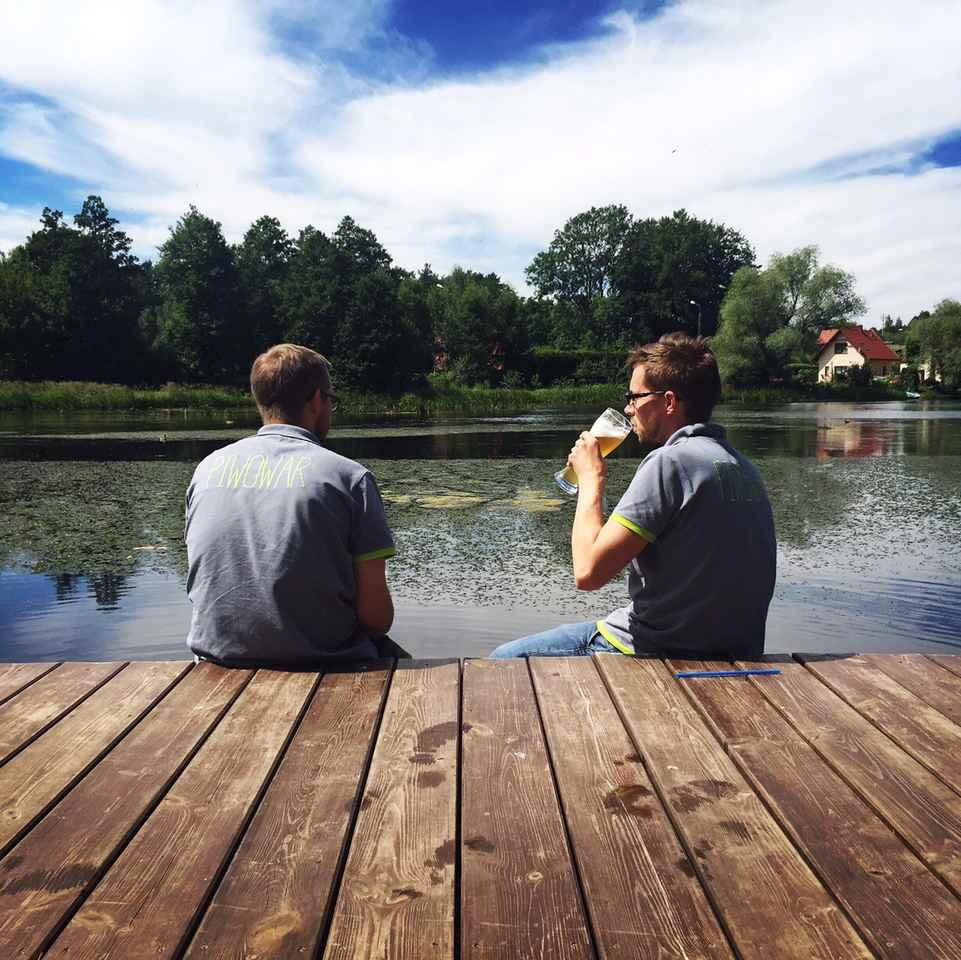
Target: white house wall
828,360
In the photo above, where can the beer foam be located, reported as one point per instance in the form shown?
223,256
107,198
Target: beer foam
605,429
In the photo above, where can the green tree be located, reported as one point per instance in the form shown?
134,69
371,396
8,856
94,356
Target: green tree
358,250
892,330
23,330
70,298
578,266
199,320
478,321
308,296
815,297
935,337
770,318
667,263
380,343
342,297
263,261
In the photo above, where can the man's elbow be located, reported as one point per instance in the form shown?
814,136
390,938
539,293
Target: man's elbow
377,621
588,579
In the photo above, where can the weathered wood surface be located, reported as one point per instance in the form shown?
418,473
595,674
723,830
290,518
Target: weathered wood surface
562,808
900,908
396,898
291,852
919,807
518,879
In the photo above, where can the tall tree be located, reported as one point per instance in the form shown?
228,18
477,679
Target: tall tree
577,269
199,289
772,317
263,261
935,338
378,345
308,296
359,250
667,263
478,321
815,297
70,300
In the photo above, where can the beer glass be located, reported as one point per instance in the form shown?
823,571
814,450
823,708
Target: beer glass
611,429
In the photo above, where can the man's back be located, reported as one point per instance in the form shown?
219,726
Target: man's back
703,584
275,526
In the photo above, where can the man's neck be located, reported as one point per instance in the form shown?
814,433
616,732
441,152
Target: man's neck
291,423
672,426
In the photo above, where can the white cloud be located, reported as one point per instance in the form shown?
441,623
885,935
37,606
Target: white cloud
16,223
746,112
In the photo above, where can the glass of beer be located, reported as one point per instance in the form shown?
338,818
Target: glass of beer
611,429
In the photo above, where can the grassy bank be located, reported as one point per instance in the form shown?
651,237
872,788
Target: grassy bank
68,396
438,398
819,392
73,395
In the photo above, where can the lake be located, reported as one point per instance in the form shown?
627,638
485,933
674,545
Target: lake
867,502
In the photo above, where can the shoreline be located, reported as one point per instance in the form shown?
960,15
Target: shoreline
70,396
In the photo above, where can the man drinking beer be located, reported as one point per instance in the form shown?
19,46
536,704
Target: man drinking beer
694,526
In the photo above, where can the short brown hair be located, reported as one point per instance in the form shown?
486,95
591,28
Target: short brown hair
685,365
285,377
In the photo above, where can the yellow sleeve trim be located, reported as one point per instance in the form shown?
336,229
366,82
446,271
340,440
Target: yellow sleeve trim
633,527
375,555
613,641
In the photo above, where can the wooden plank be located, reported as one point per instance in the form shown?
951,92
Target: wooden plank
39,775
58,862
770,901
924,812
276,895
397,893
640,888
949,663
925,679
147,902
15,676
519,889
25,716
920,730
899,906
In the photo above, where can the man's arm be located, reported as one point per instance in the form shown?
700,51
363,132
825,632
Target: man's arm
599,550
375,608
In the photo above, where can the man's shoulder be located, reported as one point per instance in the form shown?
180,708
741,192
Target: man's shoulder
231,449
349,471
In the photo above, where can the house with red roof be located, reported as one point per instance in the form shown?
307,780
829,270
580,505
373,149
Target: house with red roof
840,349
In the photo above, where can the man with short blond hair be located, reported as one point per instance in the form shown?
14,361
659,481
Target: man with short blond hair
694,527
287,542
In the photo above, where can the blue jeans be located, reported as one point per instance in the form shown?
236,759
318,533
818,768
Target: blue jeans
567,640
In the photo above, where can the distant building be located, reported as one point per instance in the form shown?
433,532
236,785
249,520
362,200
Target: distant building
928,370
840,349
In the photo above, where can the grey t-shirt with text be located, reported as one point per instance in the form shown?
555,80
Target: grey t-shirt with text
702,585
275,525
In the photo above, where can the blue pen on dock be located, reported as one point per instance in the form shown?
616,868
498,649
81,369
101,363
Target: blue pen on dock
687,674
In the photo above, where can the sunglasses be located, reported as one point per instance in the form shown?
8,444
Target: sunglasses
632,398
334,404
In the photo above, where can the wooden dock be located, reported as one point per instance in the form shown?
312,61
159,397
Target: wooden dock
562,808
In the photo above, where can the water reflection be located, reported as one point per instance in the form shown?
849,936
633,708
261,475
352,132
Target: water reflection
104,588
857,438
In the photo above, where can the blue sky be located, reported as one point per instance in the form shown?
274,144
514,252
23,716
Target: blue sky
467,133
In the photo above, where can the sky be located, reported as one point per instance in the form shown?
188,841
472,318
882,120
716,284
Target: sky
467,133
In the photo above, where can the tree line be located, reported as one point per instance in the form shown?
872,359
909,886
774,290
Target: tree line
75,303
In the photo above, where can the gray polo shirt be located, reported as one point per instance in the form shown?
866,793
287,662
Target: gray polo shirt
275,526
702,585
